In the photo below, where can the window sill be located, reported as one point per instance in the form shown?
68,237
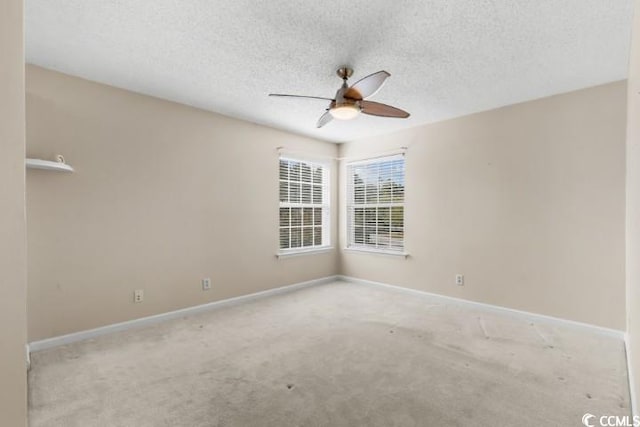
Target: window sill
304,252
404,255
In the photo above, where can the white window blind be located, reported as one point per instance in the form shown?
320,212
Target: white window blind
304,205
375,204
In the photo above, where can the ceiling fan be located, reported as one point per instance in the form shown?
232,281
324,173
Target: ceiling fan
350,101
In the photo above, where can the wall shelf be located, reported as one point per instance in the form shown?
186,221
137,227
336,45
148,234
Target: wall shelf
48,165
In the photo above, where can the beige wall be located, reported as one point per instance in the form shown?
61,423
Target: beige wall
163,195
13,322
526,201
633,209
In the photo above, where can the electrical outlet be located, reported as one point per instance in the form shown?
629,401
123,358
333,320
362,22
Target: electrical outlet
206,284
138,295
460,279
28,356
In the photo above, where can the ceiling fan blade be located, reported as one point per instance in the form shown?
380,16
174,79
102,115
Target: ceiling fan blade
300,96
383,110
367,86
324,119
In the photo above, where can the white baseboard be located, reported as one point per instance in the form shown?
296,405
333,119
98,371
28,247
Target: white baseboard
494,308
630,377
150,320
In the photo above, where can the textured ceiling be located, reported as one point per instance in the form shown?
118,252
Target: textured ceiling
447,58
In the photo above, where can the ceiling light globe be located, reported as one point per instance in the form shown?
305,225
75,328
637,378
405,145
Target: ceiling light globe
345,111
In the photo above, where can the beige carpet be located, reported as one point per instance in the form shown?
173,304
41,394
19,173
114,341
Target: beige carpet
334,355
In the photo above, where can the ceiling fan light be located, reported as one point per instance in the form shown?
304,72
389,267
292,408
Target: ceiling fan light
345,111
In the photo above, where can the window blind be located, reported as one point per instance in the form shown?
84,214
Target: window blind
375,204
304,205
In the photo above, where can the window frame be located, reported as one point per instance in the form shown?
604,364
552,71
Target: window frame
324,205
351,205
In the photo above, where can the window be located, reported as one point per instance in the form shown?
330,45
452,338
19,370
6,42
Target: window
304,205
375,204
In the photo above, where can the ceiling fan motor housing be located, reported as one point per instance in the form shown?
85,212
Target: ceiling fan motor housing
343,108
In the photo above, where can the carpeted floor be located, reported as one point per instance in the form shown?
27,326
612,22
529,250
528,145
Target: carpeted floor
334,355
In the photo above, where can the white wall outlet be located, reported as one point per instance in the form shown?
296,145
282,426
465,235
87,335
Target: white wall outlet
460,279
28,356
206,284
138,295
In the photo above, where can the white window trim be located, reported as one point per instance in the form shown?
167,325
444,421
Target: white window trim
356,249
286,253
400,252
326,208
